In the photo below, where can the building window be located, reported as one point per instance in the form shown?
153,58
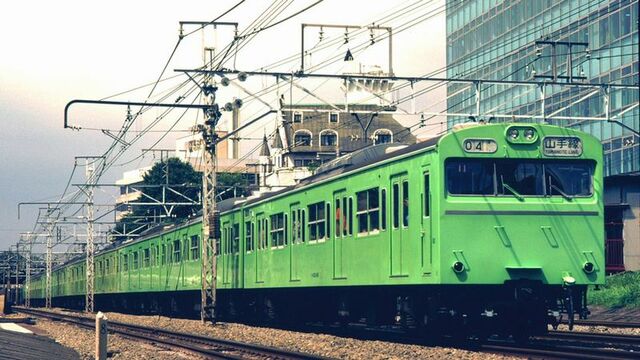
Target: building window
195,247
382,136
176,251
248,235
316,222
302,138
297,117
333,117
277,230
328,138
368,211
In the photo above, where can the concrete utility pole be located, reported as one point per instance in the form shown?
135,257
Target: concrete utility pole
210,216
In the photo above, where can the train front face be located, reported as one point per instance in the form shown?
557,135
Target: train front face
521,222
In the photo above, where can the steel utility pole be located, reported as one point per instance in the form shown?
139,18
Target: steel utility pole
210,216
554,59
47,291
90,247
27,287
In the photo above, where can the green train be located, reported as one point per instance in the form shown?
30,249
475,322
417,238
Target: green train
494,228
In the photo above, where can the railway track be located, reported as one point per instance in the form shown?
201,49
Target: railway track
606,323
209,347
573,345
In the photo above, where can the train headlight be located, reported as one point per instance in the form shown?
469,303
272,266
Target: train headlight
529,134
588,267
568,280
514,133
458,267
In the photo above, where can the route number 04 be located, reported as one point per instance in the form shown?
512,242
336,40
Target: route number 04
480,145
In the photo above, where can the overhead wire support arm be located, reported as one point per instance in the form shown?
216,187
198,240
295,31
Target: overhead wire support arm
405,78
127,103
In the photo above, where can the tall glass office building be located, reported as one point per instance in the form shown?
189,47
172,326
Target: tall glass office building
495,39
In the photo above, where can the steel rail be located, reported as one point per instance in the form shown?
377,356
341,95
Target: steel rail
208,346
606,323
595,337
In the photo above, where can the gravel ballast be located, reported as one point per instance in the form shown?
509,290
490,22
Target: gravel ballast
318,344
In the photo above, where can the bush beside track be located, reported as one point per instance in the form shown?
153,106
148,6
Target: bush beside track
620,290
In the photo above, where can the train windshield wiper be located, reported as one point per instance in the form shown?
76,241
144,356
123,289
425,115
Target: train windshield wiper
511,189
554,187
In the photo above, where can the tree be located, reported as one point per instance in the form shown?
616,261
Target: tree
181,177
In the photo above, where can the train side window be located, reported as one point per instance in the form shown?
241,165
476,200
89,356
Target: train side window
265,237
317,219
338,215
147,257
303,226
327,214
345,220
286,233
162,254
277,230
395,205
368,211
248,236
426,211
176,251
235,240
405,203
136,259
383,209
195,247
350,216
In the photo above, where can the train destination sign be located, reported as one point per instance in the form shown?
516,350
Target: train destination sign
480,145
562,146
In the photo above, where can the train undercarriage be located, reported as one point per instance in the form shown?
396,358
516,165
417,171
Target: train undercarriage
517,308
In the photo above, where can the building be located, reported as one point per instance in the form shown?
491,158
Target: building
496,39
309,135
127,194
315,133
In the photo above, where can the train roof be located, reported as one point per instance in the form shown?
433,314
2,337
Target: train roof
345,164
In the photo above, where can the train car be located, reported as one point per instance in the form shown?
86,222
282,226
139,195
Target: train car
487,229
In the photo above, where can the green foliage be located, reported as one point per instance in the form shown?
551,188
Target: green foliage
620,290
228,182
182,178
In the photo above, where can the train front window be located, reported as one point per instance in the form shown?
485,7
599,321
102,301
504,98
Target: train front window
519,177
569,178
523,178
470,177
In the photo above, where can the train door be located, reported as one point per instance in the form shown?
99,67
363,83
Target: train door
261,227
427,245
235,253
340,232
399,223
297,239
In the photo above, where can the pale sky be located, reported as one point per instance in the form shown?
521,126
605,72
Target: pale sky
54,52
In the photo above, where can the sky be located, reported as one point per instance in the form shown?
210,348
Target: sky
54,52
